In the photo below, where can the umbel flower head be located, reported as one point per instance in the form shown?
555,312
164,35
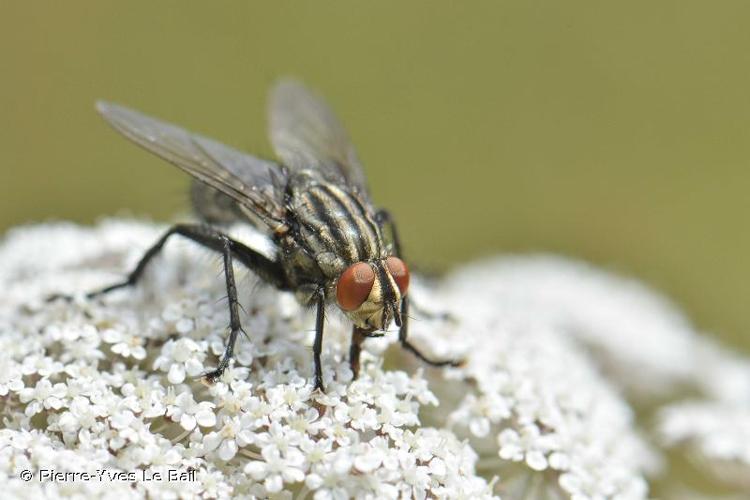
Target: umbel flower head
577,384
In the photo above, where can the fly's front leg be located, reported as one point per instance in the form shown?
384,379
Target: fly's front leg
384,217
318,344
403,334
427,314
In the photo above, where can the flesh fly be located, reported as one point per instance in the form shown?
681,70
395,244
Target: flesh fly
313,204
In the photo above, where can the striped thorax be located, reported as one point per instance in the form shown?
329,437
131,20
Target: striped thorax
334,237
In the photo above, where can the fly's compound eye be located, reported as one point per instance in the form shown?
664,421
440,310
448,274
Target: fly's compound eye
400,273
354,286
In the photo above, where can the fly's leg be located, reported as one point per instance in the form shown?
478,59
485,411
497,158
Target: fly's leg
265,268
234,315
384,217
355,348
403,333
268,270
318,344
358,336
425,313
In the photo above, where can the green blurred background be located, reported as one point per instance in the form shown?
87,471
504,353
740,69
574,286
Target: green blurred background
613,133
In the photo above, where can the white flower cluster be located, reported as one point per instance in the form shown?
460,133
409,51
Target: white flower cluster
714,430
634,337
114,385
111,386
543,402
646,345
723,431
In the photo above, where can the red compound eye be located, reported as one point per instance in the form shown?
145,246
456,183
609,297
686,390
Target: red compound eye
400,273
354,286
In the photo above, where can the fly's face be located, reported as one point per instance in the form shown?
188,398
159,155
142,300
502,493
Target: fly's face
370,293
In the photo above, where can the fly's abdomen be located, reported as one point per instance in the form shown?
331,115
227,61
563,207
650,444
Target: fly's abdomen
335,227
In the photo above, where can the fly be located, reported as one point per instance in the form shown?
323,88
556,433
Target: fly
314,205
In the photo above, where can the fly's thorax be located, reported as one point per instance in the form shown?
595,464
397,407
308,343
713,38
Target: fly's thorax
331,264
333,224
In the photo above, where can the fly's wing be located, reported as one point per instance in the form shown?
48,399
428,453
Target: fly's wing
255,185
305,134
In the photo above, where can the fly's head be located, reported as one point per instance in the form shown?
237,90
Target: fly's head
370,293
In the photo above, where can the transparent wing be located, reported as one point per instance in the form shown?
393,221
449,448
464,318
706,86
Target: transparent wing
252,183
305,133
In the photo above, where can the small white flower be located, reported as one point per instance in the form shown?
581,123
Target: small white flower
315,451
331,479
305,423
149,396
190,414
278,436
180,358
358,415
122,420
292,396
81,415
159,453
227,441
43,396
10,379
236,396
367,458
529,444
125,344
44,366
276,470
